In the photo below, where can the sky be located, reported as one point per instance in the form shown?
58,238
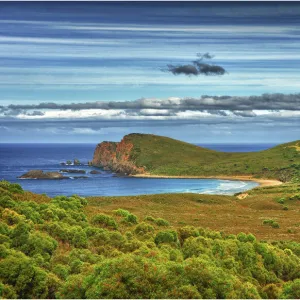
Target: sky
86,72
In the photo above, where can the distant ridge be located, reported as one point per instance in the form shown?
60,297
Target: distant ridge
158,155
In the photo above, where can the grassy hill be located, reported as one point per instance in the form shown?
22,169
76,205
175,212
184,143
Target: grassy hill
160,155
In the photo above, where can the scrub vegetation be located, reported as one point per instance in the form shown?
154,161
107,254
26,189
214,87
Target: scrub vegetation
72,247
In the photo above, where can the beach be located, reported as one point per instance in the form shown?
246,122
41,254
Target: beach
261,182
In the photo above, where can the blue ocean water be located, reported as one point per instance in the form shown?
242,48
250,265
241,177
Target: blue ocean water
17,159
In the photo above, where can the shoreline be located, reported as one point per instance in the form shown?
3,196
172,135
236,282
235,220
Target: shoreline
261,182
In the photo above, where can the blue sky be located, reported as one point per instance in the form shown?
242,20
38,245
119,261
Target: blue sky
92,53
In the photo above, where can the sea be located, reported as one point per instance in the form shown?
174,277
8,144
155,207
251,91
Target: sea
17,159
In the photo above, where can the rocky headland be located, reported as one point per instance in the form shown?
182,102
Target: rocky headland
116,157
151,155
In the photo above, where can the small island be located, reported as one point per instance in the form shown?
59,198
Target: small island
40,174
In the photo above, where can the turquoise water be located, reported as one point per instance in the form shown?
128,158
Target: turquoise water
17,159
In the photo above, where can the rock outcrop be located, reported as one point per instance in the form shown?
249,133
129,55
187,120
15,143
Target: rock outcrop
75,162
39,174
95,172
116,157
72,171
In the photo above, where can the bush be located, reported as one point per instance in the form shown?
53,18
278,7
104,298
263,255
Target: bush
149,218
104,220
275,225
15,188
268,221
131,219
295,197
281,200
186,232
291,290
61,271
143,228
161,222
168,236
121,212
272,291
271,222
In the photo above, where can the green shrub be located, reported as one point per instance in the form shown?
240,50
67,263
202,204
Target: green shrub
291,290
131,219
15,188
186,232
79,239
7,292
168,236
143,228
161,222
7,202
121,212
268,221
61,271
105,221
275,225
295,197
281,200
149,218
272,291
271,222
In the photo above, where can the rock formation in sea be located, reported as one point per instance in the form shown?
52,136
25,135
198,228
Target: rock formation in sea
95,172
72,171
116,157
39,174
75,162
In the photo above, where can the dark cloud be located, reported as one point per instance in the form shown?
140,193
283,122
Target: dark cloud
210,70
183,69
198,67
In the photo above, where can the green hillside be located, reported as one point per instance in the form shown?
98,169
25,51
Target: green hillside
165,156
77,248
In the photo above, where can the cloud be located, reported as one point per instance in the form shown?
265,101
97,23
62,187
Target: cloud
235,104
198,67
245,113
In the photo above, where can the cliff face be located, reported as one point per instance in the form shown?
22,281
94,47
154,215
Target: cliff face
116,157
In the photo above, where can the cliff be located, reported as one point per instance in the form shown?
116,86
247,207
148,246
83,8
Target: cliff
117,157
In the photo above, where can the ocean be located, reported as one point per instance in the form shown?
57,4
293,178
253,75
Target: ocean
17,159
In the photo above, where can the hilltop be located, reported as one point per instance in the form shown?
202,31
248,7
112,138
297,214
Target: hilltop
158,155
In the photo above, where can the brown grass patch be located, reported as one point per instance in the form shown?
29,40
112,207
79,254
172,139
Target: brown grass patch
221,213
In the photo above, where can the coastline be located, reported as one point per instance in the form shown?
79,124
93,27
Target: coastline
261,182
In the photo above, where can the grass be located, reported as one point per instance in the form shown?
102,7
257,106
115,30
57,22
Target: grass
165,156
222,213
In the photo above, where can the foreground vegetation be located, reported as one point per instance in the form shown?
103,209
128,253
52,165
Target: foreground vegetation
165,156
68,247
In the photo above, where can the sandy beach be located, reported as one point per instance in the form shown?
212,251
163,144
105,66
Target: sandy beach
261,182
